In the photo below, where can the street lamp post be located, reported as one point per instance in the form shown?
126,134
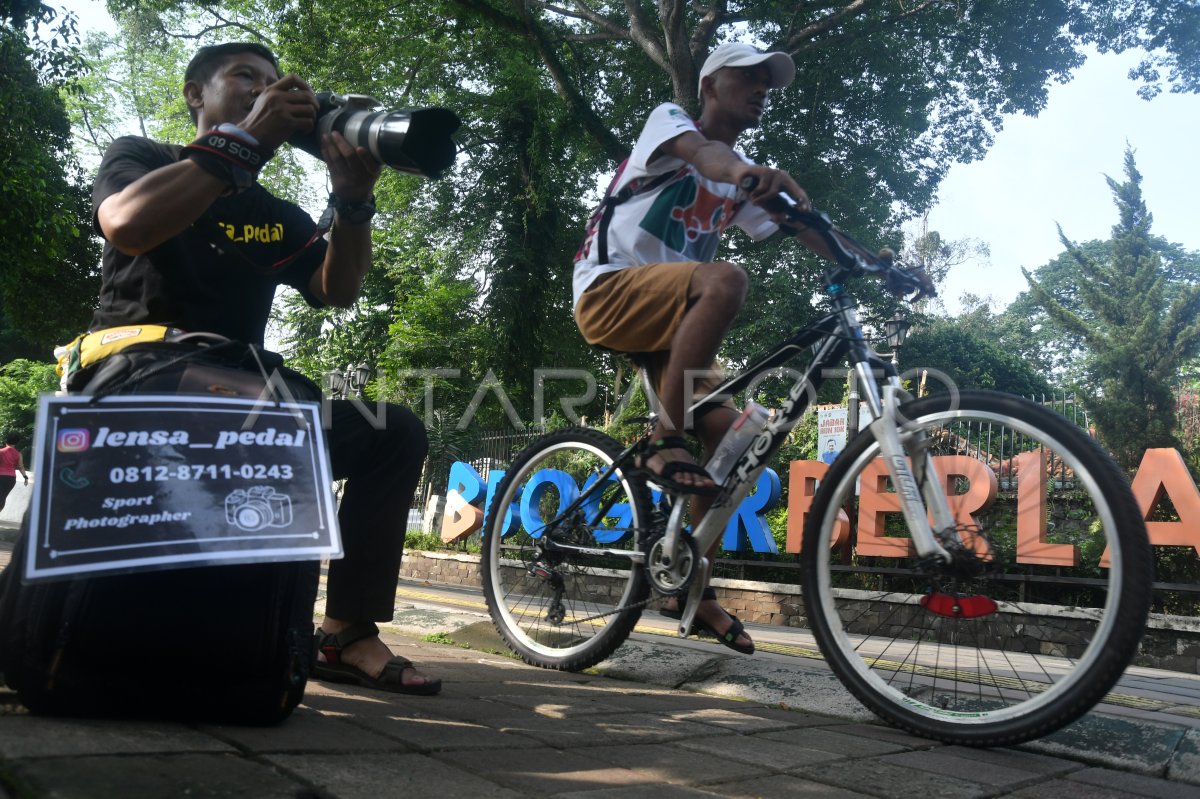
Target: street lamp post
896,330
351,380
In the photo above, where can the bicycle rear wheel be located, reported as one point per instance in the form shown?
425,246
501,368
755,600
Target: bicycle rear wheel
1044,604
565,589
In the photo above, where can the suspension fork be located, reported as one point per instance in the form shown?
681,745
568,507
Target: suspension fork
918,486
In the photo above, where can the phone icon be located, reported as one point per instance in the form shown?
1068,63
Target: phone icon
68,478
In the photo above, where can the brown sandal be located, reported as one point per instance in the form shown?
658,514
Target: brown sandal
332,669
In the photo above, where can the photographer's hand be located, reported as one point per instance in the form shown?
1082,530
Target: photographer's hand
352,170
286,107
352,176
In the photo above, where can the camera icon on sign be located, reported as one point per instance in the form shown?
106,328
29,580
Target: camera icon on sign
73,439
253,509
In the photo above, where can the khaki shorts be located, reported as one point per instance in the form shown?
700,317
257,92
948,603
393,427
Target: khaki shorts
637,311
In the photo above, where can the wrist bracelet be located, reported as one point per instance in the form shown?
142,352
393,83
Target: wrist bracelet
228,156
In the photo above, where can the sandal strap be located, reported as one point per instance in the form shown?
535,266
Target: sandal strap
332,644
668,442
393,670
735,630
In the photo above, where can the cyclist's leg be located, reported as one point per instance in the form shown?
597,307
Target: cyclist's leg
680,312
715,295
710,429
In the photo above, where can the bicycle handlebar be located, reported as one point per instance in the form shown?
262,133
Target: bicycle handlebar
848,252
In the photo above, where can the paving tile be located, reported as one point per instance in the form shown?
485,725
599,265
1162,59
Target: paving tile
1135,784
431,735
877,777
381,775
761,751
197,776
658,664
1031,762
737,721
1068,789
879,731
782,787
541,772
1109,741
26,736
1185,765
789,685
638,792
836,741
939,761
670,763
307,730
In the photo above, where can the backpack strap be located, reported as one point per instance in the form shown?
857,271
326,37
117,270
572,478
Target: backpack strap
627,192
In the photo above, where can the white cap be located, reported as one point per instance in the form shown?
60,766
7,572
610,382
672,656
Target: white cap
739,54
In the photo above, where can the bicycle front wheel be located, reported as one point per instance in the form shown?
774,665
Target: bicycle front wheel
1042,607
562,564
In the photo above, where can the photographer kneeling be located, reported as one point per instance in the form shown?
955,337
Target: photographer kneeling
193,242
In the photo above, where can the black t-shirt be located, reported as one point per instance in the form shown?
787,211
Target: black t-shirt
217,275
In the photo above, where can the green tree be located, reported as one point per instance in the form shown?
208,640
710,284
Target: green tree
970,359
21,383
49,282
553,94
1137,326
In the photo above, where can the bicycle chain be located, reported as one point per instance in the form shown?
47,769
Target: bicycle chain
634,606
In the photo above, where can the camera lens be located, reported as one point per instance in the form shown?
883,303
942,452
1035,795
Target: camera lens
410,140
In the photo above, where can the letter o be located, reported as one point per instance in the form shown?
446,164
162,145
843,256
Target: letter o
535,488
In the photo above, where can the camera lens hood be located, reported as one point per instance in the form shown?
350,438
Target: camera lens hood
418,141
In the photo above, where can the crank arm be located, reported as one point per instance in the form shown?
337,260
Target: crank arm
692,604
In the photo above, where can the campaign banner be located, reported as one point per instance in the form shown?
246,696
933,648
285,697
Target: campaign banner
150,482
831,433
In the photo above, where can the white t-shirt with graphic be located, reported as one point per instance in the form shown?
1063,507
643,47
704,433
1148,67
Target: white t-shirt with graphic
680,220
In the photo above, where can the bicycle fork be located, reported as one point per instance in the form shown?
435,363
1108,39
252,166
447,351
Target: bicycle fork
917,486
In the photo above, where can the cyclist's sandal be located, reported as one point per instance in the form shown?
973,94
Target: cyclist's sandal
332,669
708,593
729,638
673,468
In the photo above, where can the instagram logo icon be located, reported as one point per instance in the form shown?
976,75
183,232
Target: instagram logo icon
73,440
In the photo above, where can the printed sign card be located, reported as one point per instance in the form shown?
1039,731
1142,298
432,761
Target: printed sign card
149,482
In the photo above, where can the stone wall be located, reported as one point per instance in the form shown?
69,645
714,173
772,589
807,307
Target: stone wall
1170,642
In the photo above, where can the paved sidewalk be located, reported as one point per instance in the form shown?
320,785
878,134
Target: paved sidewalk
504,729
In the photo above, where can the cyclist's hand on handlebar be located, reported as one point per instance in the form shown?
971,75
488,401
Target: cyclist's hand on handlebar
901,281
764,183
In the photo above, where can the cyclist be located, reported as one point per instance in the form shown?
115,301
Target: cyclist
646,280
193,241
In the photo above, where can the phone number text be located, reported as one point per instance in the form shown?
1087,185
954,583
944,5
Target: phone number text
211,471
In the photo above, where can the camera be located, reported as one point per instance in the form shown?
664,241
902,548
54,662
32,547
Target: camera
414,140
253,509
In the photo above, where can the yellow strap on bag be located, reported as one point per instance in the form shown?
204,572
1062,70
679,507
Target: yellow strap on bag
92,348
103,343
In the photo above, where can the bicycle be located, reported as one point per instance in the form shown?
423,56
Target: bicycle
949,635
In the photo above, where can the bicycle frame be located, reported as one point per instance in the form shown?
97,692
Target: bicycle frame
833,337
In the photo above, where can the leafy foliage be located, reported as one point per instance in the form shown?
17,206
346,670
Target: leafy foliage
1139,328
49,283
21,382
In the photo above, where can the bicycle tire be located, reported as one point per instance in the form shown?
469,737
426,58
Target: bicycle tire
944,663
601,596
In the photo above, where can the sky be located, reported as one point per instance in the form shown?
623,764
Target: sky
1051,169
1042,171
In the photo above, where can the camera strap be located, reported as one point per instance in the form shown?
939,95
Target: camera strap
236,159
